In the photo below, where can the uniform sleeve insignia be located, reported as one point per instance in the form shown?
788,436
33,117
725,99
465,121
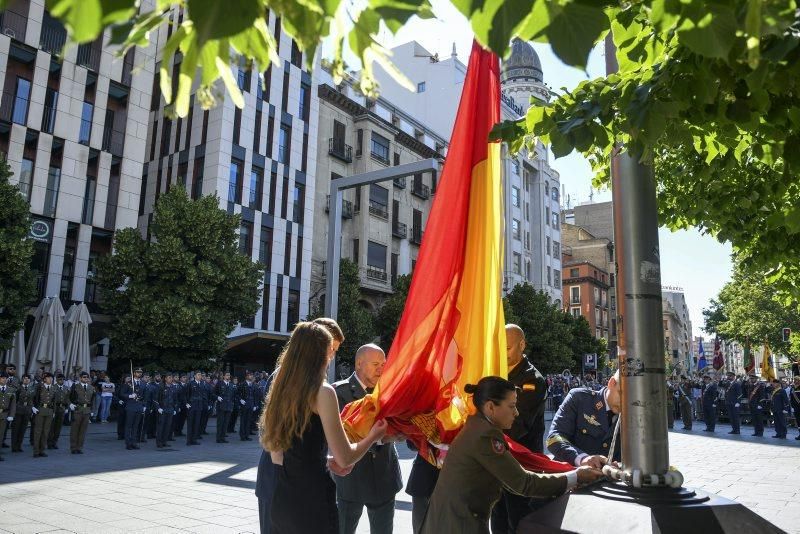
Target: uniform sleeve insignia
529,387
591,419
498,446
598,405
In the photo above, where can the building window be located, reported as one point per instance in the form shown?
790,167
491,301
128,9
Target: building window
556,249
297,55
554,194
597,320
547,216
555,220
379,148
256,187
293,308
574,273
21,100
235,182
515,232
284,143
515,165
86,123
515,196
549,276
517,263
51,196
379,201
421,87
376,256
355,251
305,101
547,245
197,178
88,200
257,133
278,308
596,295
270,135
265,247
246,238
666,325
597,333
237,125
26,178
49,114
575,295
556,278
528,270
576,311
298,205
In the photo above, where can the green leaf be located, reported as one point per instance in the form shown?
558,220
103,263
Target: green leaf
395,13
83,18
752,28
573,31
711,32
215,19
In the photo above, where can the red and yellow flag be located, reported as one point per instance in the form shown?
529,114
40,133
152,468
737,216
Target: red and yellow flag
452,331
767,369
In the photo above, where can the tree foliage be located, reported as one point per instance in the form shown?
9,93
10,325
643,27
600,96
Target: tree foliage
389,315
17,288
747,310
174,299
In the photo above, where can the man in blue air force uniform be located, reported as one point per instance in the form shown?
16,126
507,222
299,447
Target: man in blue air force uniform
583,426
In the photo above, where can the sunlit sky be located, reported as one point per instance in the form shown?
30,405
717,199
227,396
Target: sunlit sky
697,263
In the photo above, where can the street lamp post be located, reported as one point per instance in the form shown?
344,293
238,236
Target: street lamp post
337,187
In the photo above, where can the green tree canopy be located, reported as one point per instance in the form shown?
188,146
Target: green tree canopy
175,298
389,315
747,310
17,288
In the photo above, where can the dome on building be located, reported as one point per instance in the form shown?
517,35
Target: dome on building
523,63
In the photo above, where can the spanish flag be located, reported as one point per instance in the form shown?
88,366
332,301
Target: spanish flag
767,370
452,331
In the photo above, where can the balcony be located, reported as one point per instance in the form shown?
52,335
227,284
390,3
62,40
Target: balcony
421,190
381,157
53,35
347,207
399,230
338,149
88,56
416,236
378,210
399,183
113,141
376,273
14,25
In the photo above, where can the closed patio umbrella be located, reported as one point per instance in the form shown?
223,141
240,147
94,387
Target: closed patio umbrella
46,346
76,334
16,354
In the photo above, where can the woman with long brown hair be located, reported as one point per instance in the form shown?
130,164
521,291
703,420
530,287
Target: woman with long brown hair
300,422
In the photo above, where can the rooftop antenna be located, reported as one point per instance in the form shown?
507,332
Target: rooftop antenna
591,194
454,54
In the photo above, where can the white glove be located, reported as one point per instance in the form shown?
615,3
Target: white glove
132,396
35,411
188,406
144,410
72,407
9,419
160,411
66,411
242,402
91,415
255,408
736,405
174,412
785,411
121,403
219,399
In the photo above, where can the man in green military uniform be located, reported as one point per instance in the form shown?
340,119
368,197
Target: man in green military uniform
8,405
60,403
81,397
24,402
43,410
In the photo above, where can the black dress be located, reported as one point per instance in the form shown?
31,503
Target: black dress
305,495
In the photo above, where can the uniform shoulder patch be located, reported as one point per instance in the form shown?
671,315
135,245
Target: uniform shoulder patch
498,446
528,387
598,405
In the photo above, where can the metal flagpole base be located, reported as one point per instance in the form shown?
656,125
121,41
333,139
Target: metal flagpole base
618,507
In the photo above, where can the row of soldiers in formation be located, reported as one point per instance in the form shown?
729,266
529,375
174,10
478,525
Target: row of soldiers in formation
147,407
762,399
159,409
43,405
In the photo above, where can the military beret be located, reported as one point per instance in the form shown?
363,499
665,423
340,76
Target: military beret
138,370
84,373
59,376
3,375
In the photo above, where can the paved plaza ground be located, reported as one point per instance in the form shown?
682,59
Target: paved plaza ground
209,489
